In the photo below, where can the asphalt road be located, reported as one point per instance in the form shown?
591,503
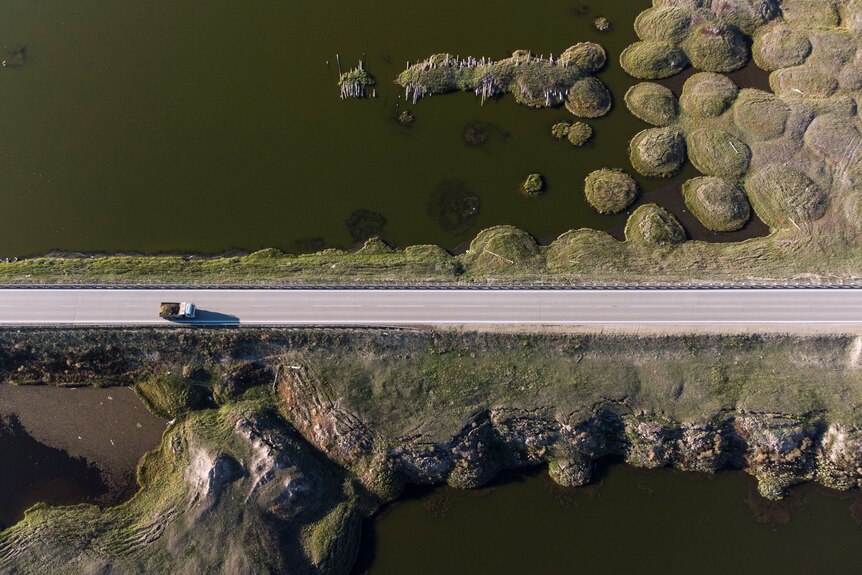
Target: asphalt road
405,307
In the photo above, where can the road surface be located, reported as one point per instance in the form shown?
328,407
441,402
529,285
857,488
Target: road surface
438,307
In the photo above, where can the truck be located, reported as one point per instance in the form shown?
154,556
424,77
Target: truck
177,310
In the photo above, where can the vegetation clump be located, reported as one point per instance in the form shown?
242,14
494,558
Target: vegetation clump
663,24
610,191
652,224
602,24
589,98
716,47
579,133
652,60
718,153
536,81
707,95
658,152
355,83
533,186
454,206
652,103
834,138
719,204
502,248
780,46
761,115
805,81
783,197
405,118
560,130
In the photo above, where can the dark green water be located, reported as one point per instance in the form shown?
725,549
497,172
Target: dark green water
634,521
167,126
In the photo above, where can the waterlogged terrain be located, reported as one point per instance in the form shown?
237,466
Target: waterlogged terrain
66,446
155,127
631,521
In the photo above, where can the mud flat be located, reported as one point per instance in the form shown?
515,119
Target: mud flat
87,443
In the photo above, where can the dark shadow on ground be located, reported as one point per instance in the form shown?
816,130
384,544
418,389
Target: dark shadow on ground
206,316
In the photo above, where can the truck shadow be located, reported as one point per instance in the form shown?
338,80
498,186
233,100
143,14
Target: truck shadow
212,317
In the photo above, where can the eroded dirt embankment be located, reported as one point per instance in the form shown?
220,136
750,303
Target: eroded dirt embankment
285,439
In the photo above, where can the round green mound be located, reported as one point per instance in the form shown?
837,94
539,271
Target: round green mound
782,197
805,80
651,60
720,205
610,191
706,95
651,224
761,115
748,15
811,13
717,153
834,138
715,47
501,247
652,103
780,46
533,186
589,98
663,24
658,152
587,56
579,133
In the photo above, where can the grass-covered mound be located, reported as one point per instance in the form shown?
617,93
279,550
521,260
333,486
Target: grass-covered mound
502,248
579,133
718,153
720,205
663,24
610,191
652,224
716,48
658,152
589,98
710,35
835,139
779,46
783,197
707,95
536,81
803,81
760,115
652,59
652,103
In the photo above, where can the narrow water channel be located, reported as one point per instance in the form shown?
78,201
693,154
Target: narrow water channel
632,521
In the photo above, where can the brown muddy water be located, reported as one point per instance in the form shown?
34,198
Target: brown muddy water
633,521
165,126
65,446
